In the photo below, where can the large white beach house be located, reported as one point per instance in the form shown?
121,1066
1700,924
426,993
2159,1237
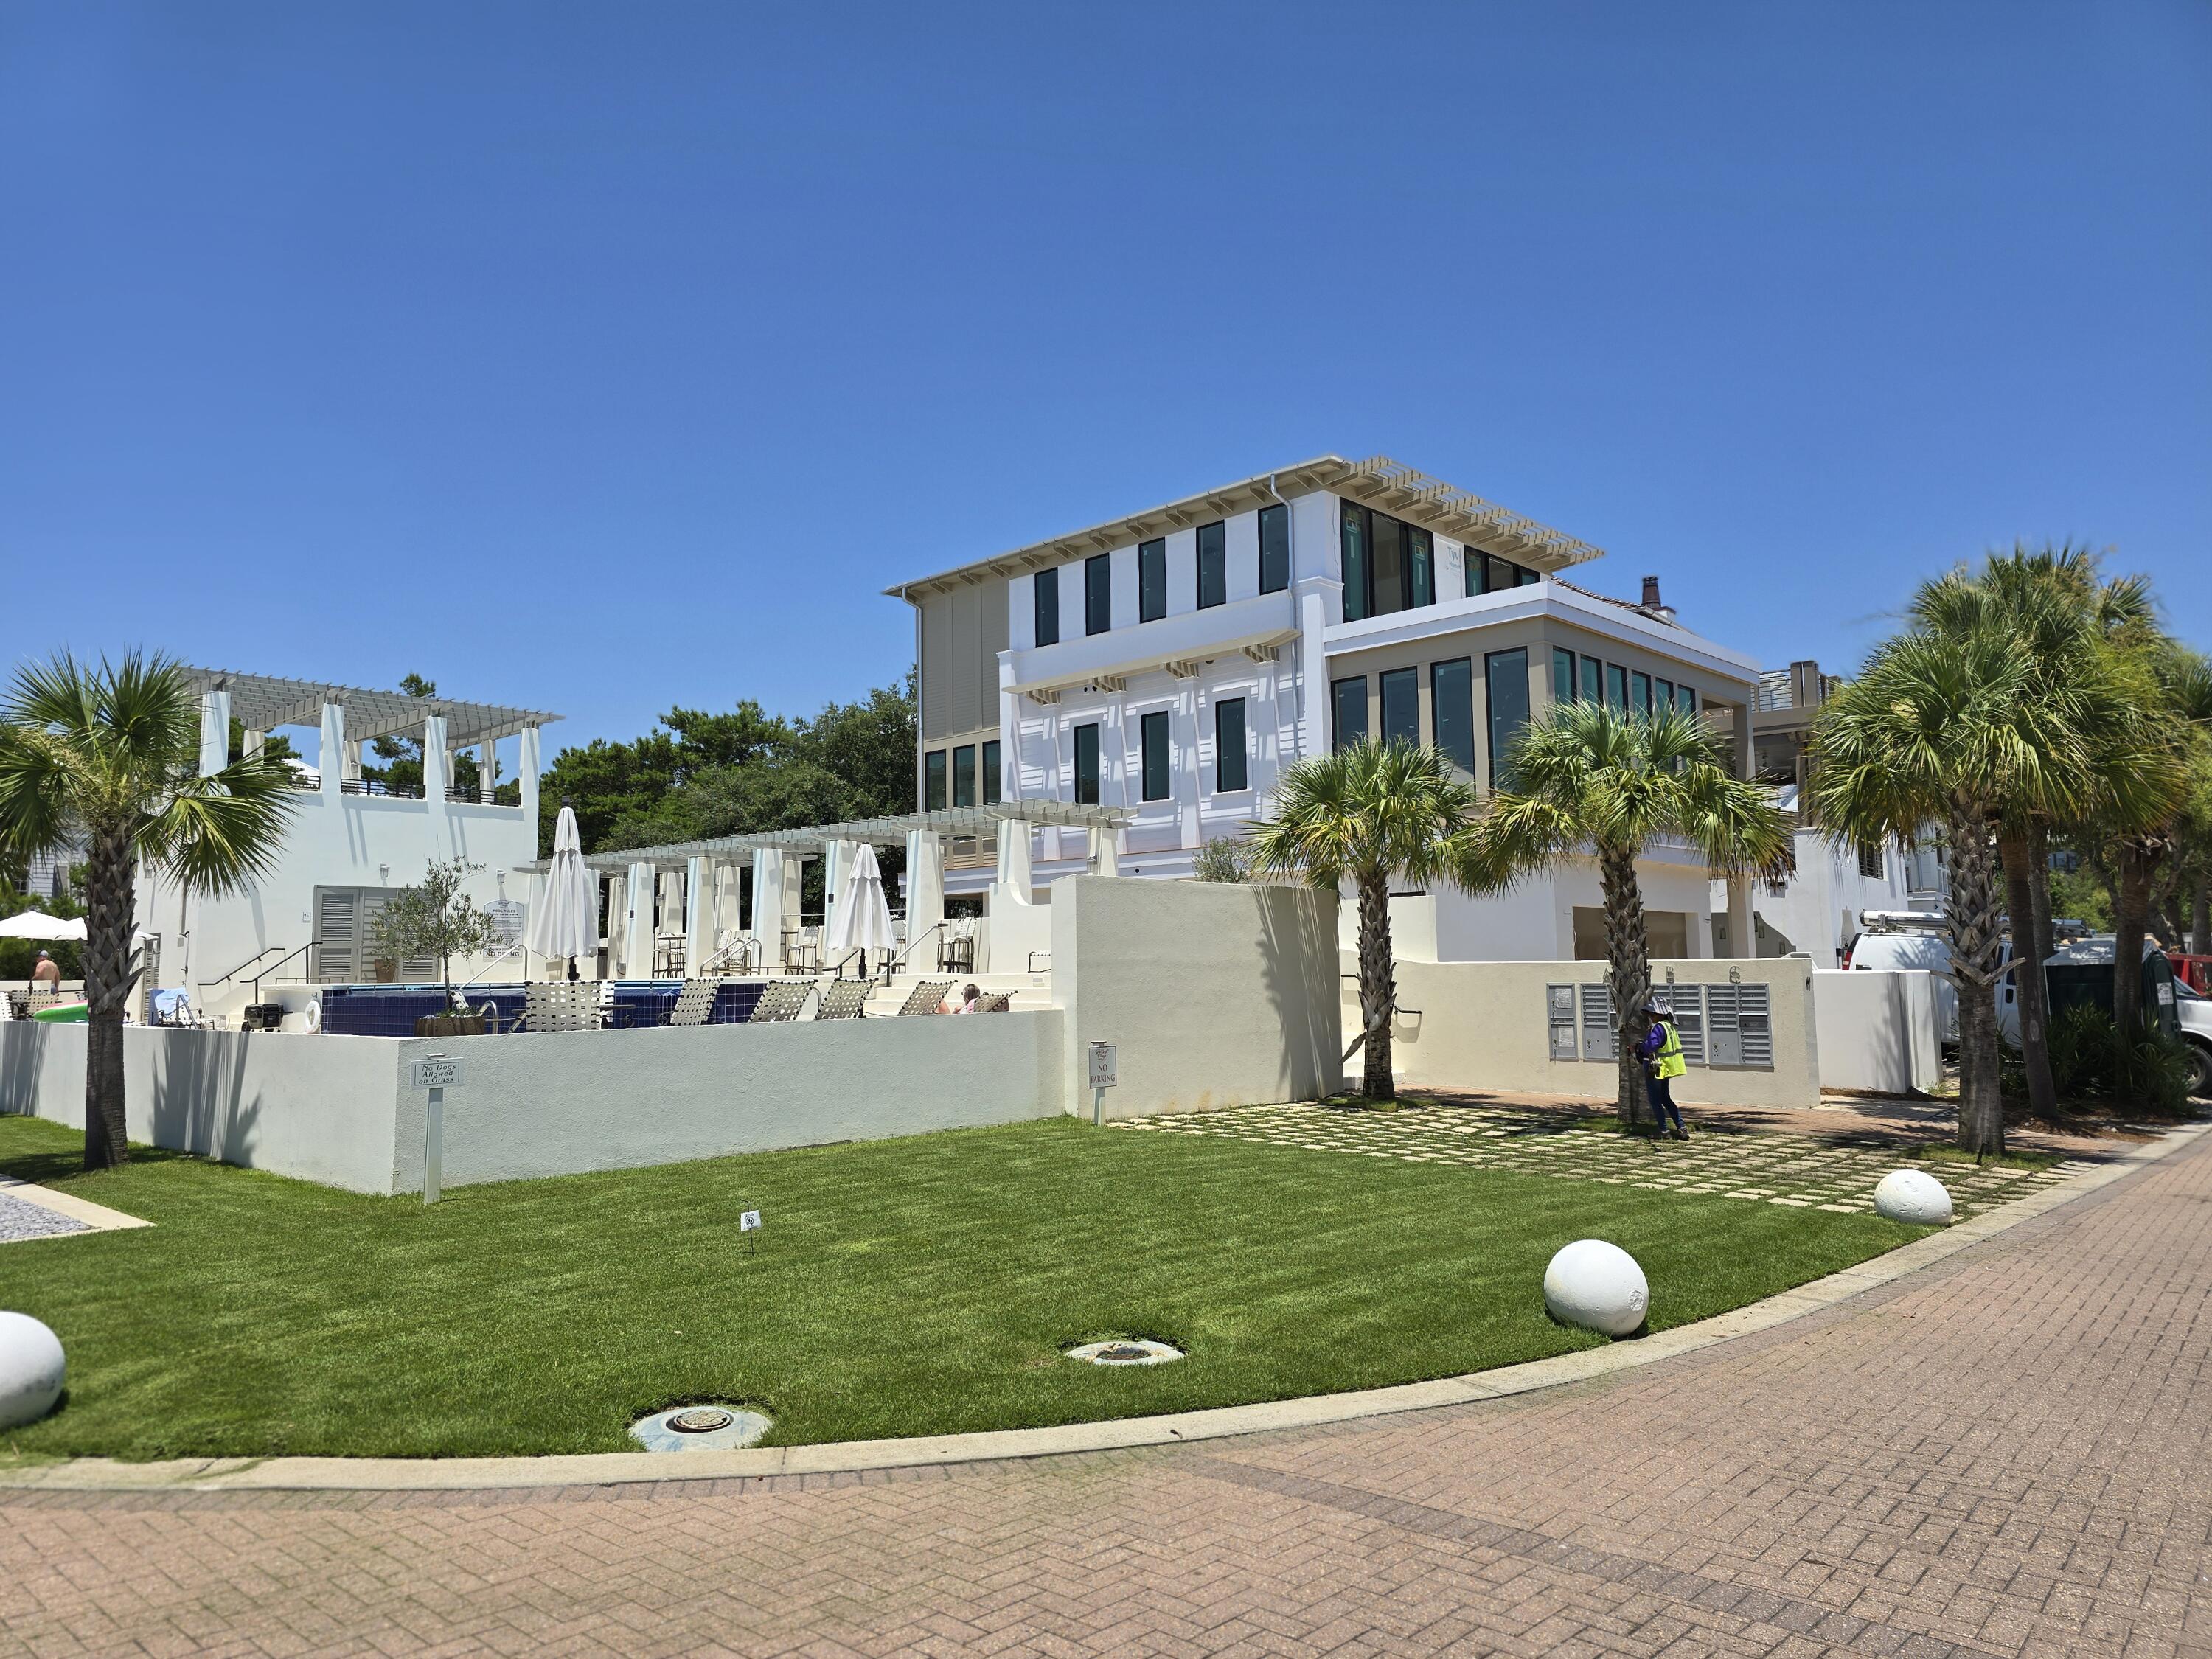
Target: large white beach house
1171,663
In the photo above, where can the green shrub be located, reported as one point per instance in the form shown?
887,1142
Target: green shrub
2090,1064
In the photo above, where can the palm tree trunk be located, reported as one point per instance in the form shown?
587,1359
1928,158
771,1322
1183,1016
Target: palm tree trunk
1629,973
2029,992
1378,988
2038,894
2130,921
1974,947
107,977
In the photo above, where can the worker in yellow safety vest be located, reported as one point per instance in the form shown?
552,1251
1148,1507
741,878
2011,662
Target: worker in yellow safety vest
1662,1054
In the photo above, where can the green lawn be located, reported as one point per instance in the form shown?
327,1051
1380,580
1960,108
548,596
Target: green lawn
904,1287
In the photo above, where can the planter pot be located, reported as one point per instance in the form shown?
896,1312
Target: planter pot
450,1025
385,970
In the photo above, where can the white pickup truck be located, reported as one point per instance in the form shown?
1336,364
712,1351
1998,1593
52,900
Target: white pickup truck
2196,1015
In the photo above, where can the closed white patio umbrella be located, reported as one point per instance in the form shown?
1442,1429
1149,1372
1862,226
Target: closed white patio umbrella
567,923
863,921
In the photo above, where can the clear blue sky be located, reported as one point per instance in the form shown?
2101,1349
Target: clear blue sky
607,357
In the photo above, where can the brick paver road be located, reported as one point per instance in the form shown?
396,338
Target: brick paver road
2004,1455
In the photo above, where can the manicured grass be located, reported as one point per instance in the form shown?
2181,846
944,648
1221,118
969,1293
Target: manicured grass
2012,1160
904,1287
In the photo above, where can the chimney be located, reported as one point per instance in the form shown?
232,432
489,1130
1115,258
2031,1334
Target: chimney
1653,603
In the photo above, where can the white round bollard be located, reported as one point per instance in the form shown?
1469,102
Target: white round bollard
1597,1286
31,1369
1912,1195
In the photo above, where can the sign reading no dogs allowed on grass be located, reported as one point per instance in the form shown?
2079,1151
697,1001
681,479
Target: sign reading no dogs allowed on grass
1103,1063
437,1074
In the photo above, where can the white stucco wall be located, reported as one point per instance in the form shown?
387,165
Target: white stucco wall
1212,994
561,1101
1879,1030
334,840
1481,1026
318,1107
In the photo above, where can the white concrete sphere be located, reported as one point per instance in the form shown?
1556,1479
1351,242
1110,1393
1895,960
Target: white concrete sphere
1597,1286
1912,1195
31,1369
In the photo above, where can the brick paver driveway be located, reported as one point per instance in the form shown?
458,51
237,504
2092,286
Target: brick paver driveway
2004,1455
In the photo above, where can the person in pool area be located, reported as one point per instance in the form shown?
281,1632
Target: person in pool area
971,1002
46,973
1662,1054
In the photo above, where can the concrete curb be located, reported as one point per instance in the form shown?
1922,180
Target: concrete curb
617,1468
97,1217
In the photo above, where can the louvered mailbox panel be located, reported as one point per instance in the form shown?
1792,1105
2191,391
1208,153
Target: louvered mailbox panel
1739,1027
1598,1035
1560,1015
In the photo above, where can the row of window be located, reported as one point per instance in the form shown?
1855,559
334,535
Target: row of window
1451,705
1156,778
1153,576
1390,566
964,778
1586,679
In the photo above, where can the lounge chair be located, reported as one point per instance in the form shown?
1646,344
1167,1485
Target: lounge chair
695,1003
781,1001
847,998
998,1002
557,1007
927,997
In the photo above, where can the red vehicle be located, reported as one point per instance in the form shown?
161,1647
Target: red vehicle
2195,972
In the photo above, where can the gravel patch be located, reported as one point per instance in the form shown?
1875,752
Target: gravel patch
20,1219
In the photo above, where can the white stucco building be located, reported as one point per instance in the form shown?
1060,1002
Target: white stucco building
1169,664
351,844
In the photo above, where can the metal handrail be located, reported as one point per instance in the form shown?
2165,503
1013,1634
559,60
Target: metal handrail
905,954
281,961
242,967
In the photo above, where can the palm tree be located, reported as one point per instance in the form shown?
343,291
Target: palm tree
111,753
1363,814
2147,826
2065,622
1587,778
1954,722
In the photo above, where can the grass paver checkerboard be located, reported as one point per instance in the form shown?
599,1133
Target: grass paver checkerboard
1789,1169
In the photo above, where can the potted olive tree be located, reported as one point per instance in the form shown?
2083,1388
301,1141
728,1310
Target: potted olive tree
438,920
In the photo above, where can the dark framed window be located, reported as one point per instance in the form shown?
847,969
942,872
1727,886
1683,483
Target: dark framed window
1048,607
1086,765
1686,699
1563,674
1871,860
1347,709
1098,594
1401,706
1153,735
964,776
1451,711
932,781
1386,563
1228,758
1663,694
1592,680
1359,592
1274,549
1152,581
1488,573
1639,693
1421,567
1212,564
994,780
1505,678
1616,685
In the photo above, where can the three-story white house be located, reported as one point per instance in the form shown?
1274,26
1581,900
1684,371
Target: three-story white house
1172,663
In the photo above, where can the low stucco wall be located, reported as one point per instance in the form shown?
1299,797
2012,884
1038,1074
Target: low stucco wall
1213,994
320,1108
1482,1026
1880,1031
562,1102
